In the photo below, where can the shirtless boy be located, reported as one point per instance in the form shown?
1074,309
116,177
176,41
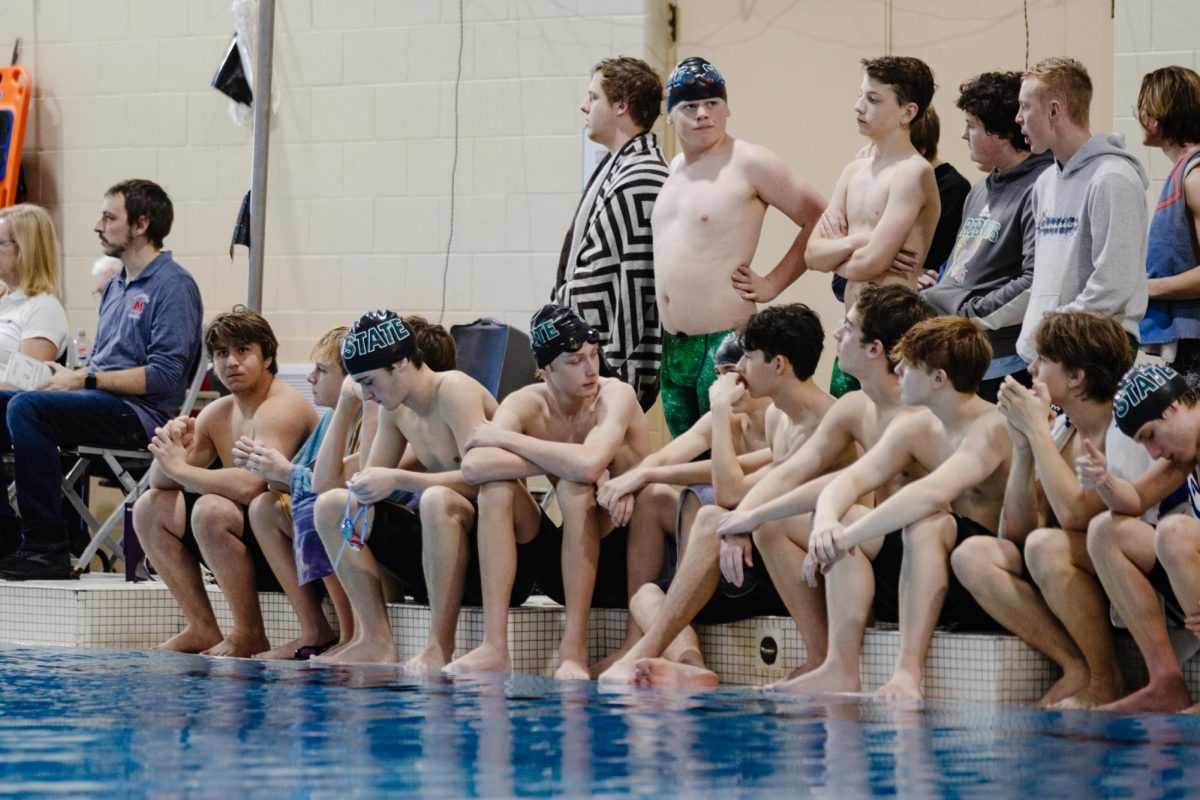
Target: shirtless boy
706,224
432,413
1038,580
865,342
959,441
675,465
192,512
885,207
783,345
1137,563
578,429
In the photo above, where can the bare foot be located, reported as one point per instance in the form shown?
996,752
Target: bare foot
192,640
333,651
431,659
825,679
365,652
803,669
572,670
1072,682
601,666
620,672
284,651
1096,694
484,658
661,672
902,686
239,645
1168,695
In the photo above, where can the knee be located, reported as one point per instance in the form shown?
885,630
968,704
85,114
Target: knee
328,512
931,534
495,493
572,494
972,560
150,512
440,504
266,514
645,601
214,515
1047,553
21,408
1101,536
1176,538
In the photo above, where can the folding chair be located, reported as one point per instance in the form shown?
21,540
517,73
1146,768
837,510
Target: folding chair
495,354
123,464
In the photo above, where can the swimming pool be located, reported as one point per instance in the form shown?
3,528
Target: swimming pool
155,724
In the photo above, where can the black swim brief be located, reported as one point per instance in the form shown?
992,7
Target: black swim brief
395,541
264,576
545,553
960,611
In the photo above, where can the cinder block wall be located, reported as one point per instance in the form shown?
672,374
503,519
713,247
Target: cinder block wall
362,144
1149,34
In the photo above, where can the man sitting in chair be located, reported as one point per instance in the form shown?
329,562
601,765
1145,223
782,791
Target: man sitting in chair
146,340
192,511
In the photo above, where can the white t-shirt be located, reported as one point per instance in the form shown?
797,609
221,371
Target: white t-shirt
37,317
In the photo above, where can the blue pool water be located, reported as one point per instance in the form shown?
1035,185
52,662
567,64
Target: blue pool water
159,724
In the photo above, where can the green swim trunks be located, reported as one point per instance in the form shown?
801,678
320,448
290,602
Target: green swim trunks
840,383
687,372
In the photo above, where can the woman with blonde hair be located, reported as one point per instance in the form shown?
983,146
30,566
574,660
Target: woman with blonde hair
32,319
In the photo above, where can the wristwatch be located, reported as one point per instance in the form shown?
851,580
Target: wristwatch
90,381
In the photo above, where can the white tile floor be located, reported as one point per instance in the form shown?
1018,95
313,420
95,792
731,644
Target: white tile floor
102,611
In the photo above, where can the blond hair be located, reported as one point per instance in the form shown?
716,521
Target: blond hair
328,349
1067,80
39,270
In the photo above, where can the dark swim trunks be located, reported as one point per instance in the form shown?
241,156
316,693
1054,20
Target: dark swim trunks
960,612
688,370
264,577
395,541
545,559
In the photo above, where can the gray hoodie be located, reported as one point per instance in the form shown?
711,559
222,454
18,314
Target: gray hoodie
990,269
1090,250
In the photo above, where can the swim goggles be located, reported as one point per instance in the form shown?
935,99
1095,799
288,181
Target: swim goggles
352,522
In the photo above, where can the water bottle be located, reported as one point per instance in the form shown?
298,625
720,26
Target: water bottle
83,350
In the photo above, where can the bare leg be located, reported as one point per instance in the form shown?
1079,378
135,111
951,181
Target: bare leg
158,517
694,584
1060,565
1177,543
991,570
681,663
344,612
446,518
924,579
507,514
783,545
1122,549
217,522
582,526
271,528
849,597
358,573
652,521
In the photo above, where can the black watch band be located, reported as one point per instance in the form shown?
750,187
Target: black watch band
90,381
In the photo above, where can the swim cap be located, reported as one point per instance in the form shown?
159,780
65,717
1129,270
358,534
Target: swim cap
694,79
729,351
378,339
1144,394
555,330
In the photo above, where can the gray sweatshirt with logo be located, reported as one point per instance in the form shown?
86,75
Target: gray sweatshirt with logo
990,269
1090,246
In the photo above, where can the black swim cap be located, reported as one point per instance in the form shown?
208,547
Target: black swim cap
555,330
729,351
378,339
1144,394
694,79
